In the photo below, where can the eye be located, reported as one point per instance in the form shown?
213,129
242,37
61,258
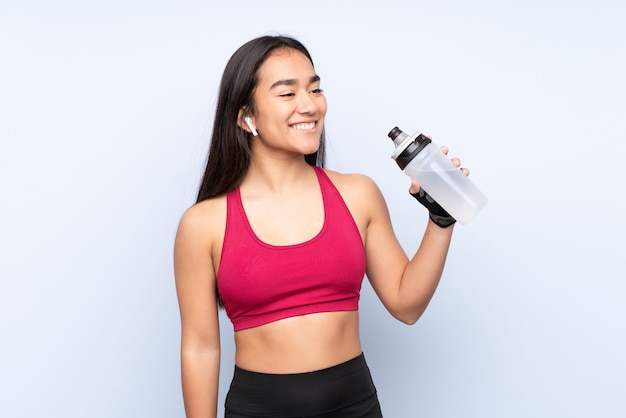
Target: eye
287,95
317,91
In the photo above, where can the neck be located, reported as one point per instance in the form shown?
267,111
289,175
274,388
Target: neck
275,175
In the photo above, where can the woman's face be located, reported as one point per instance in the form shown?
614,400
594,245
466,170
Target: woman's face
290,106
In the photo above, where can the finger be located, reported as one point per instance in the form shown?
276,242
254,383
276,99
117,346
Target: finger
456,162
415,186
444,149
465,171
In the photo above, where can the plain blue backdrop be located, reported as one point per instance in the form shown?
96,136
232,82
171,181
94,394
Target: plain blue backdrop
105,114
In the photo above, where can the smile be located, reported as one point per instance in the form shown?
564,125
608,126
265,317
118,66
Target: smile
303,126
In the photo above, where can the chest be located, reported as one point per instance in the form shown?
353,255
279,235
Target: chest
285,220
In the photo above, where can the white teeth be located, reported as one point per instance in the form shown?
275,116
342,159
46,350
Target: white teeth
303,126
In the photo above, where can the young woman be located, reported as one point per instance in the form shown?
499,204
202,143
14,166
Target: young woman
284,245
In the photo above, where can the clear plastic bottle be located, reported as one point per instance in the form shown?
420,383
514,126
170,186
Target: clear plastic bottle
421,159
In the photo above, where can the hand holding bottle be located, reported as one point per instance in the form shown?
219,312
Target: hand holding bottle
415,185
447,191
436,213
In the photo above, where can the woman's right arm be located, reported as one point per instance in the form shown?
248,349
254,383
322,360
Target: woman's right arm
196,291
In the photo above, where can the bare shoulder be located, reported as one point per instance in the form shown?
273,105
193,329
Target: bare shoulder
360,193
204,222
353,184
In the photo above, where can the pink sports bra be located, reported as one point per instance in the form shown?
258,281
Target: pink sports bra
261,283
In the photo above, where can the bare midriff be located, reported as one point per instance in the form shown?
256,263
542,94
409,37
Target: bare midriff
299,344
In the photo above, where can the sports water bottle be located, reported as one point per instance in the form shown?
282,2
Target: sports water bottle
421,159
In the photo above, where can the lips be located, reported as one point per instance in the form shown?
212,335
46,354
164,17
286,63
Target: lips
304,126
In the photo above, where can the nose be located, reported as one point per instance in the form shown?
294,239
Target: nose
307,104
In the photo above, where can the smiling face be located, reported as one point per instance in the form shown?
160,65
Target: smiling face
290,106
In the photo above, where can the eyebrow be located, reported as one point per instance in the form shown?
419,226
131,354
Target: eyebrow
293,82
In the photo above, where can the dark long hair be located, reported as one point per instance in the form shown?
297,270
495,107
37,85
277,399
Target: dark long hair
229,152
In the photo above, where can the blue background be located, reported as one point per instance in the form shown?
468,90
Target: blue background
105,114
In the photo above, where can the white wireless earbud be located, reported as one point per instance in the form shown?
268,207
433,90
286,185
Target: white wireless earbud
249,123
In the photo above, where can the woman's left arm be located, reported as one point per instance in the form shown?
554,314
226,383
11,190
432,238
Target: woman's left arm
404,286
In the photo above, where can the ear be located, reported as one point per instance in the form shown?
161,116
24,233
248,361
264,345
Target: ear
245,122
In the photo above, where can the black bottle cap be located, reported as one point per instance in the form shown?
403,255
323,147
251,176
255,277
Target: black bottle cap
411,150
393,134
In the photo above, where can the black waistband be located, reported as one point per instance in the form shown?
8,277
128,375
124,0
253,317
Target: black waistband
300,394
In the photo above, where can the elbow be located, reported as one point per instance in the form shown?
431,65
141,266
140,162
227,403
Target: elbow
409,314
408,318
409,321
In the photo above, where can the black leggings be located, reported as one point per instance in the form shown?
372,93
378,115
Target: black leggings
342,391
